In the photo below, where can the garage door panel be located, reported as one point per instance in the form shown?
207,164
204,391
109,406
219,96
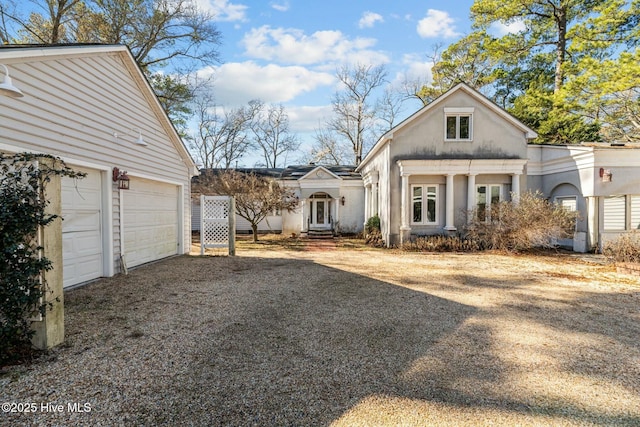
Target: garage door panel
150,221
80,221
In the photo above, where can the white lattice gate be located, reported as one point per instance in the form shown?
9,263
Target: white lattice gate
217,223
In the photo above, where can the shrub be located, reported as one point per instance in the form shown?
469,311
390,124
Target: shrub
530,223
372,224
22,214
626,248
442,243
372,233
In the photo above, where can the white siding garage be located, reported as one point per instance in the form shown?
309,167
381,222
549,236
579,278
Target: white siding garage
150,221
82,228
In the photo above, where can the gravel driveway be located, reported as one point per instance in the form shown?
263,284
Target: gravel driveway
344,338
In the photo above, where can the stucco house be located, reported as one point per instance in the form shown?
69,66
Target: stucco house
601,181
462,152
92,106
331,201
457,153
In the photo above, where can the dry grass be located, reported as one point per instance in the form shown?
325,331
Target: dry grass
285,334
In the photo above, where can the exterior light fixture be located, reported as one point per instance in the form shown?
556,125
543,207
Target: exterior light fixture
6,87
140,141
121,178
342,200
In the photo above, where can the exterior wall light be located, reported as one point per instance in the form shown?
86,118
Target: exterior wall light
121,178
342,200
6,87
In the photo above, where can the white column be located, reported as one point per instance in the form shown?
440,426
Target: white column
449,226
367,203
515,187
471,197
405,200
305,213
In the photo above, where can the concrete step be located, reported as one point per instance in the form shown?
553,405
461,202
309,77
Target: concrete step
320,234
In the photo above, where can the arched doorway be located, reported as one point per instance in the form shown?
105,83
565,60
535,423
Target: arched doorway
320,211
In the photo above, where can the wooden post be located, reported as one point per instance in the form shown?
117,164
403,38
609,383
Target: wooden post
232,226
49,331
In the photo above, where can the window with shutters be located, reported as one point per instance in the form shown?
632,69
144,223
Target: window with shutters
614,213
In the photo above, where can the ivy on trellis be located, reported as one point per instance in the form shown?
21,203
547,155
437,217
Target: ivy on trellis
23,178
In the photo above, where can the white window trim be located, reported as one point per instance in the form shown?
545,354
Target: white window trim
487,214
457,112
425,198
560,199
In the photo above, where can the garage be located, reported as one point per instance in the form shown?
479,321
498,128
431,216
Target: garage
150,221
82,243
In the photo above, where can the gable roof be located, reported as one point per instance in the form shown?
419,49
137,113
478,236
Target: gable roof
388,136
26,53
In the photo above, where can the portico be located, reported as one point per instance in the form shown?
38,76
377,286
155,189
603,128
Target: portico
412,172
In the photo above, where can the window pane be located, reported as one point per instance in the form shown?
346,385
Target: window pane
417,204
451,127
320,213
495,194
465,122
431,210
614,213
431,203
481,198
417,211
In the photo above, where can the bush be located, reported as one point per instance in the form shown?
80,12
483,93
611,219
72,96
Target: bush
372,233
372,224
442,243
626,248
22,213
533,222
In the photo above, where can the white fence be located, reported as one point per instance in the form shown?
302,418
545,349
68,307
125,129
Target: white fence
217,223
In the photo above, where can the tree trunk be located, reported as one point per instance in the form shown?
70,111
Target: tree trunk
254,229
561,47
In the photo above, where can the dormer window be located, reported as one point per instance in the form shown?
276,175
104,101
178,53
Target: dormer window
458,124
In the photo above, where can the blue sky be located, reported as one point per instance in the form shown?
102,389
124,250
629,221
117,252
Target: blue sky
287,51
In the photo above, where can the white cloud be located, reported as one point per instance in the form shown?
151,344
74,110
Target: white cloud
500,29
437,23
223,10
369,19
306,119
292,45
237,83
416,68
280,7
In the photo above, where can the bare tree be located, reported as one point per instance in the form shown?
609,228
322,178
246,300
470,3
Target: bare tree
389,107
256,197
354,111
157,32
327,149
272,136
222,139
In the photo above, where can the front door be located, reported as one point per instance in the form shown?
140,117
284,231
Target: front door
320,216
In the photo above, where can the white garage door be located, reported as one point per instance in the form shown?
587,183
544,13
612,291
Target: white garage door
82,228
150,221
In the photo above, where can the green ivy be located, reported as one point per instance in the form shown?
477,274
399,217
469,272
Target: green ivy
23,178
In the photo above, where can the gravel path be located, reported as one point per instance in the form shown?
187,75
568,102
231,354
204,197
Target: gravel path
343,338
